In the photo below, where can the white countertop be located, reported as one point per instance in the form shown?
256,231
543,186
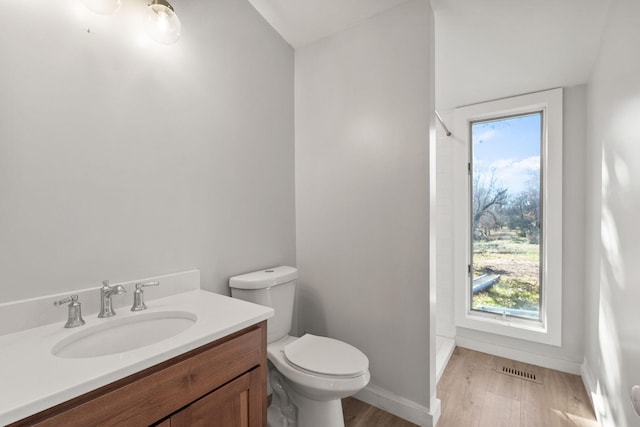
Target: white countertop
33,379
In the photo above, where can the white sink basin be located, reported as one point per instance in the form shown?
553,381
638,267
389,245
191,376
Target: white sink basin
118,335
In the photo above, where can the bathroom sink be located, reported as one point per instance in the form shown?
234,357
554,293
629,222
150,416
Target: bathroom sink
117,335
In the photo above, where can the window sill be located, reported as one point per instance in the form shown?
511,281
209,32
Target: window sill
529,330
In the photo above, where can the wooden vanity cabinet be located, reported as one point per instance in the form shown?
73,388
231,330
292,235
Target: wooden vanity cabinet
219,384
229,406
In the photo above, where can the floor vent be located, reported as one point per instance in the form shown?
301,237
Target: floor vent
529,376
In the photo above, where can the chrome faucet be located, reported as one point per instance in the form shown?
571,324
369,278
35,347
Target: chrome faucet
106,292
75,314
138,296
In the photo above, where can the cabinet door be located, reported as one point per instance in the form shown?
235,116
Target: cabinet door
236,404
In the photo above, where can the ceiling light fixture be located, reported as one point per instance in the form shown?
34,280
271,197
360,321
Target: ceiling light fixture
162,23
103,7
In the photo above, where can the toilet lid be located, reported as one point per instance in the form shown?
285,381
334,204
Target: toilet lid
326,356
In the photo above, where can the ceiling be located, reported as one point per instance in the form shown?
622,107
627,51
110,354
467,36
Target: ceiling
301,22
491,49
485,49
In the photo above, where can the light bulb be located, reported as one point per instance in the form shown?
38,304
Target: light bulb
103,7
162,23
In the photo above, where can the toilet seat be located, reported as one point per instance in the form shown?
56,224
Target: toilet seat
313,385
326,356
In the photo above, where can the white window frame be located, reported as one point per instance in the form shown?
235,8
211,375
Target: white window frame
548,330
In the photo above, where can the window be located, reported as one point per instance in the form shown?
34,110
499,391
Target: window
508,204
505,215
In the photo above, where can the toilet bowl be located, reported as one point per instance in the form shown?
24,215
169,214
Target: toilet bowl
308,375
317,372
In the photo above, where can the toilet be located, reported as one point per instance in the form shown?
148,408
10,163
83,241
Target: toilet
308,376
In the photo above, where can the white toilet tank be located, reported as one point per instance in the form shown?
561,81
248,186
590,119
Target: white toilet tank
275,288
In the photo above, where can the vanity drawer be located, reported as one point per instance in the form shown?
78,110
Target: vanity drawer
157,392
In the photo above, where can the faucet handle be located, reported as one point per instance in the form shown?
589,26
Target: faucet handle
105,283
66,300
138,295
141,285
75,313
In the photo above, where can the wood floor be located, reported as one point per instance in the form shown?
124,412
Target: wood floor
473,394
359,414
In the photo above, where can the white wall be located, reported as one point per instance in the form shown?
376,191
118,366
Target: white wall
613,325
364,109
121,158
569,355
445,319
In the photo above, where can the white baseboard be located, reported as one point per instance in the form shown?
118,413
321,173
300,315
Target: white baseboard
590,384
400,406
519,355
444,351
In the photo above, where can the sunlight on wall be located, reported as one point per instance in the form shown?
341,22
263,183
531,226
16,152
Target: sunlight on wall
618,281
626,124
609,352
598,405
621,171
611,246
610,269
615,148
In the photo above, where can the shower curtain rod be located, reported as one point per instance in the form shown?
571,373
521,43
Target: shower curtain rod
446,129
